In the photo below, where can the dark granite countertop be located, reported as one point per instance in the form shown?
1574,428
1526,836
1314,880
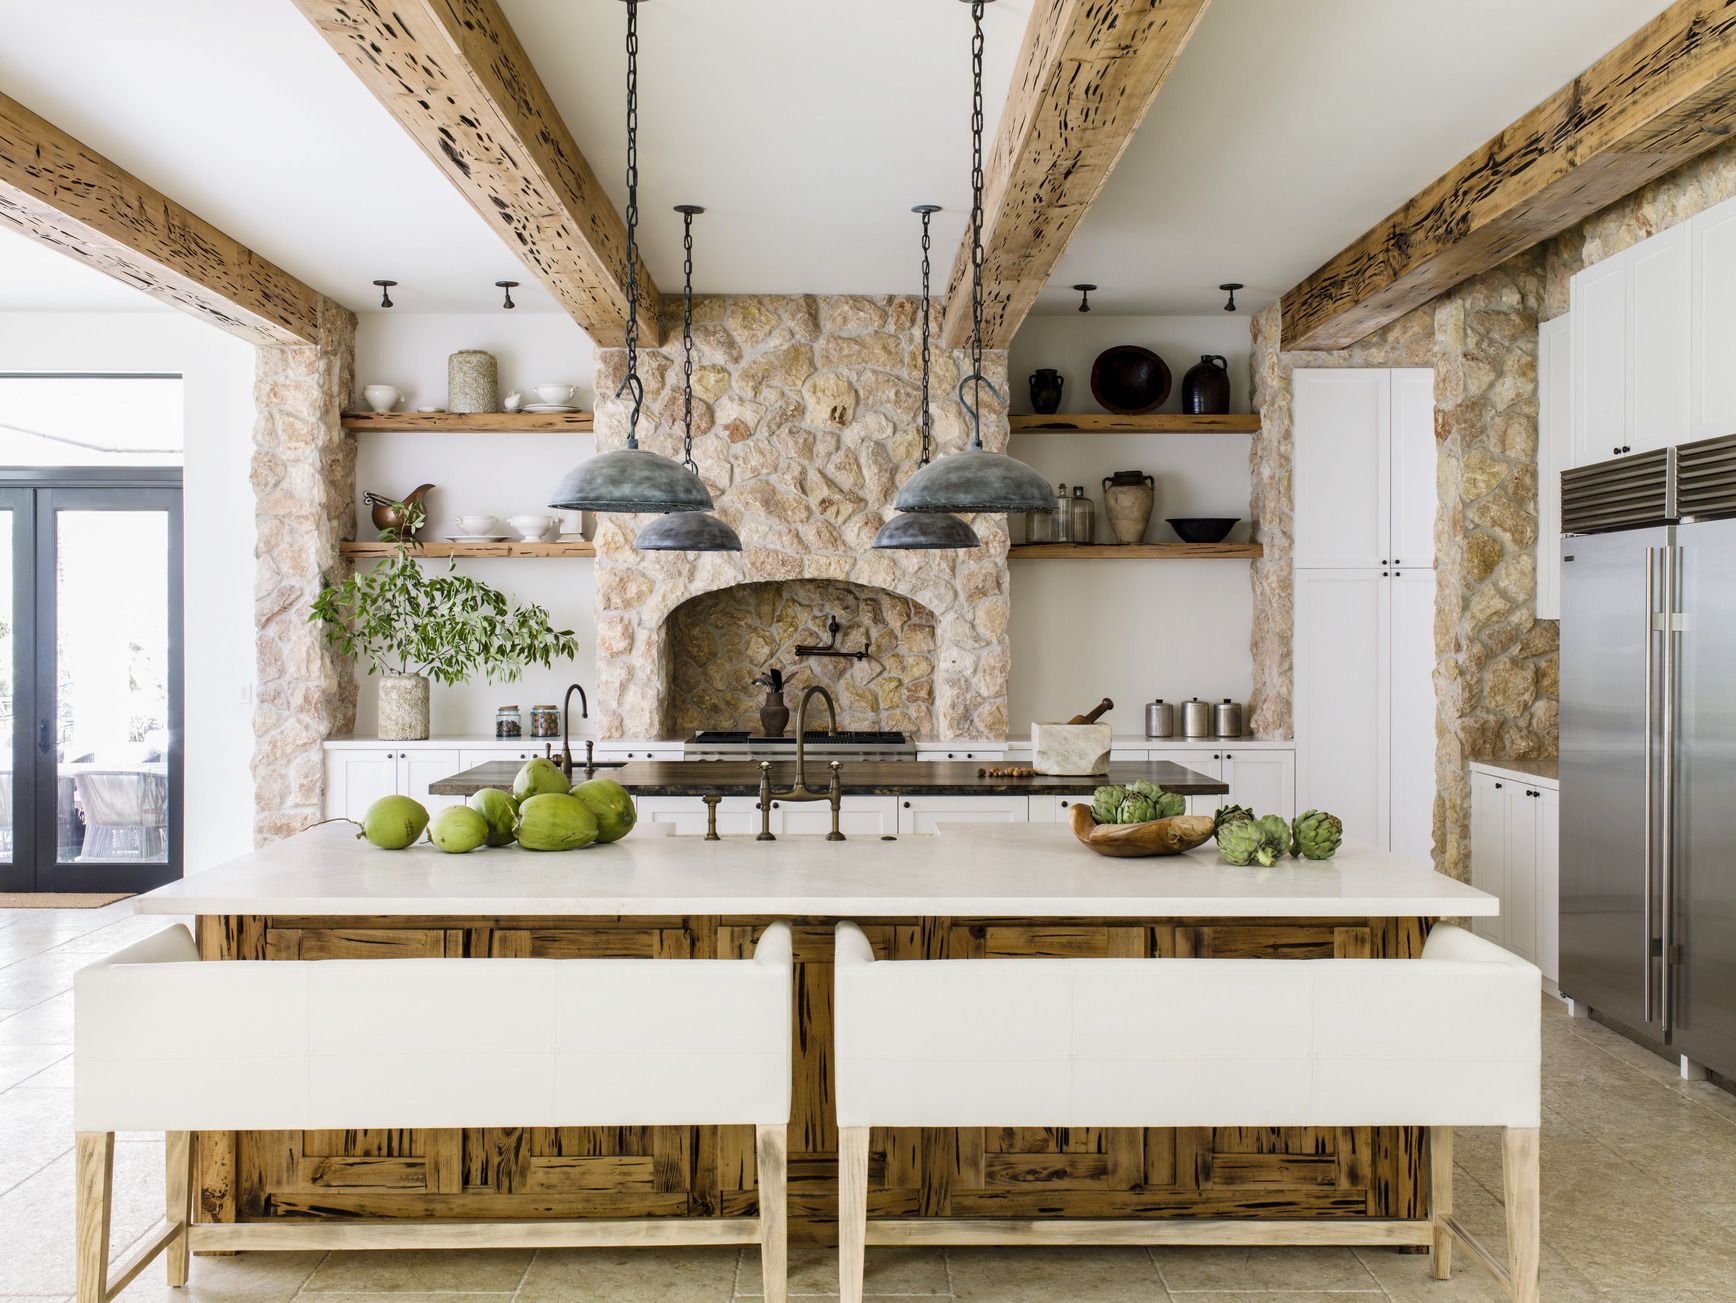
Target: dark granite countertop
860,778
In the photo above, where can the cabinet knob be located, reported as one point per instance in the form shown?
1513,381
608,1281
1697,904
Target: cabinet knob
1065,803
1228,756
1498,787
949,755
907,805
1216,756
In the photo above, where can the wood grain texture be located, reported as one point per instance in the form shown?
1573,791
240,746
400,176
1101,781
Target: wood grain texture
454,75
1150,423
1136,551
1663,96
469,422
373,549
1087,74
1129,840
64,194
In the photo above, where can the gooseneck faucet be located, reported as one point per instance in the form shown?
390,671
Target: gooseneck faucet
834,793
566,760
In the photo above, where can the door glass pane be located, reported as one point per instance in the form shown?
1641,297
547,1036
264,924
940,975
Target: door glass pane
111,679
8,671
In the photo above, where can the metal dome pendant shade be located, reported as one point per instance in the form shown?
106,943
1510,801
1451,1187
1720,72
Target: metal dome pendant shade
976,480
687,531
631,480
933,531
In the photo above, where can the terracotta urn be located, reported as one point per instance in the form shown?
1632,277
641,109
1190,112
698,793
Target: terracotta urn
1128,499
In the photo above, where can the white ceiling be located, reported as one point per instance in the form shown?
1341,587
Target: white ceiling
807,130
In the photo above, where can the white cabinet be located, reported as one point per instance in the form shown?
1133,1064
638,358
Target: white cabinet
356,777
1411,713
1515,854
1364,466
965,751
1554,454
738,816
470,757
1599,331
1264,781
921,814
1712,382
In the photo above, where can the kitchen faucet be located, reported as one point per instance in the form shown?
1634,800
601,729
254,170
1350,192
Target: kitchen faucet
566,761
834,792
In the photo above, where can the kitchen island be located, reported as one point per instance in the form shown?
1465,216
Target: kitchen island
974,891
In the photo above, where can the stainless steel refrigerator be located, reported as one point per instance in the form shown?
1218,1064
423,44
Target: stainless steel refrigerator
1648,747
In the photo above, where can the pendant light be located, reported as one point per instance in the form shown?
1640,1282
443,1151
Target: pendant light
631,479
687,531
928,530
976,480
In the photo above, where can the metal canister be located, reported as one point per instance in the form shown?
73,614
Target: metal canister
1196,718
1227,718
1159,719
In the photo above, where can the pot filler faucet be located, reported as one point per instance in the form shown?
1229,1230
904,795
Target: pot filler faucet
834,792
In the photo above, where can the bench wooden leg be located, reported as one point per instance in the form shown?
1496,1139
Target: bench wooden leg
178,1198
774,1157
1521,1173
1441,1199
852,1211
95,1187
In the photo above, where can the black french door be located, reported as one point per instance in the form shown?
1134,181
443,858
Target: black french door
91,799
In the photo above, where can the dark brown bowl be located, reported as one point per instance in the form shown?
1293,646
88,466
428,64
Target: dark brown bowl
1203,529
1129,380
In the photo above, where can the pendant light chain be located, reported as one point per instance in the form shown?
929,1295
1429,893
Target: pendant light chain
927,417
632,381
976,217
687,340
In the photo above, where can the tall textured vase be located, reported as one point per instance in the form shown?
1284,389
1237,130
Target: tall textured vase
403,708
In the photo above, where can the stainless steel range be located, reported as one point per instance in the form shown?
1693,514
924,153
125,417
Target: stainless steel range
714,744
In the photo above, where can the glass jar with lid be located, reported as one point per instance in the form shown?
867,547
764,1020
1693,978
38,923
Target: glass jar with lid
545,721
508,722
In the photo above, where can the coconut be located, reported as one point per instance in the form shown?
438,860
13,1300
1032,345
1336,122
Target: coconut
501,812
458,829
393,822
613,806
538,776
555,821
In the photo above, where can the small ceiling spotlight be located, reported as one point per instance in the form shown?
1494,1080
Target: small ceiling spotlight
1084,296
508,287
385,296
1230,287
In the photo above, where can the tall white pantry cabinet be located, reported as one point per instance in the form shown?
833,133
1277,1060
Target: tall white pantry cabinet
1364,520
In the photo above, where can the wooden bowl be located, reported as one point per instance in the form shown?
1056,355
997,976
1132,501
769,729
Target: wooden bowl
1128,840
1129,380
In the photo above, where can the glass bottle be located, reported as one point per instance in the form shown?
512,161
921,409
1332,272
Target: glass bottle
1063,516
1039,527
1083,514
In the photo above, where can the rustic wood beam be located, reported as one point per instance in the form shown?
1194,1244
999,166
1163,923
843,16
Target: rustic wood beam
1662,96
1087,73
456,78
66,195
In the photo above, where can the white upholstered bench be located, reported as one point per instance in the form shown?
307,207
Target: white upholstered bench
166,1043
1451,1039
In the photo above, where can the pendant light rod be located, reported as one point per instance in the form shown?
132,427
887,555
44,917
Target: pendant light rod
688,212
976,222
927,212
631,381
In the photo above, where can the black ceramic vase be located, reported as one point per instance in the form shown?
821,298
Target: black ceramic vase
1046,390
1205,389
774,715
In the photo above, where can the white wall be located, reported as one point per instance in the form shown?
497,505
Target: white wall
1133,630
502,475
217,371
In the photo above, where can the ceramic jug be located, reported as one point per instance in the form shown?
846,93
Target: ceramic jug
1205,389
1128,499
1046,385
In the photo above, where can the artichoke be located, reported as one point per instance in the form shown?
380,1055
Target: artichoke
1229,814
1136,809
1106,802
1277,830
1239,841
1144,787
1170,804
1315,835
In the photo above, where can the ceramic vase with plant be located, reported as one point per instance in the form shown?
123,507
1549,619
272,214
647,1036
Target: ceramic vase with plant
409,625
775,713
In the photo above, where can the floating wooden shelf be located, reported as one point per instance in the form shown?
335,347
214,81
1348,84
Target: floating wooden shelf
469,422
361,550
1150,423
1138,551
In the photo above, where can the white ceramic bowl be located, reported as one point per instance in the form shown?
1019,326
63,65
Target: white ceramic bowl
382,398
555,393
531,528
475,525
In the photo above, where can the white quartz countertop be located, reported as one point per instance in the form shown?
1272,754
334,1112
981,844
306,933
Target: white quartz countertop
966,870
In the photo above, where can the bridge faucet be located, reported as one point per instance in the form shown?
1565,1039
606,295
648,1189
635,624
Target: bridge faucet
834,793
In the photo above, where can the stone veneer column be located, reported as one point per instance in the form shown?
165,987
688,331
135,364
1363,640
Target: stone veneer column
304,481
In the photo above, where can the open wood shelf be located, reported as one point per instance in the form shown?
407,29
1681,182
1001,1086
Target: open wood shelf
1150,423
468,422
363,550
1138,551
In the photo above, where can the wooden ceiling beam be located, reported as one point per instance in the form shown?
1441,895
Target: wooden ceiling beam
456,78
1663,96
1087,74
69,197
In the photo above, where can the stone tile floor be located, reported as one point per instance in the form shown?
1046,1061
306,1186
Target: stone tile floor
1639,1198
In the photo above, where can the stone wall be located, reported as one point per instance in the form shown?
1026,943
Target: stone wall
720,641
805,425
303,476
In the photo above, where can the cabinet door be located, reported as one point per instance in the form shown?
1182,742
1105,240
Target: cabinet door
737,816
1264,781
1342,479
1489,849
922,814
1554,452
355,779
1342,742
470,757
1412,714
1519,900
1711,378
1659,311
1414,495
1548,956
861,816
417,768
1598,330
1209,763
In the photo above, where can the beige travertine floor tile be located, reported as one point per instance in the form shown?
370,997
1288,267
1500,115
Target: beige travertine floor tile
891,1271
48,1023
1009,1275
420,1271
35,1129
631,1276
21,1062
1212,1268
245,1278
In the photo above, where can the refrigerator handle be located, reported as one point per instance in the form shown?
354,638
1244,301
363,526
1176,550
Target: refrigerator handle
1650,696
1666,815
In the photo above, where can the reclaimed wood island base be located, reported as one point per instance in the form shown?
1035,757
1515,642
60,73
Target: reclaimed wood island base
311,912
